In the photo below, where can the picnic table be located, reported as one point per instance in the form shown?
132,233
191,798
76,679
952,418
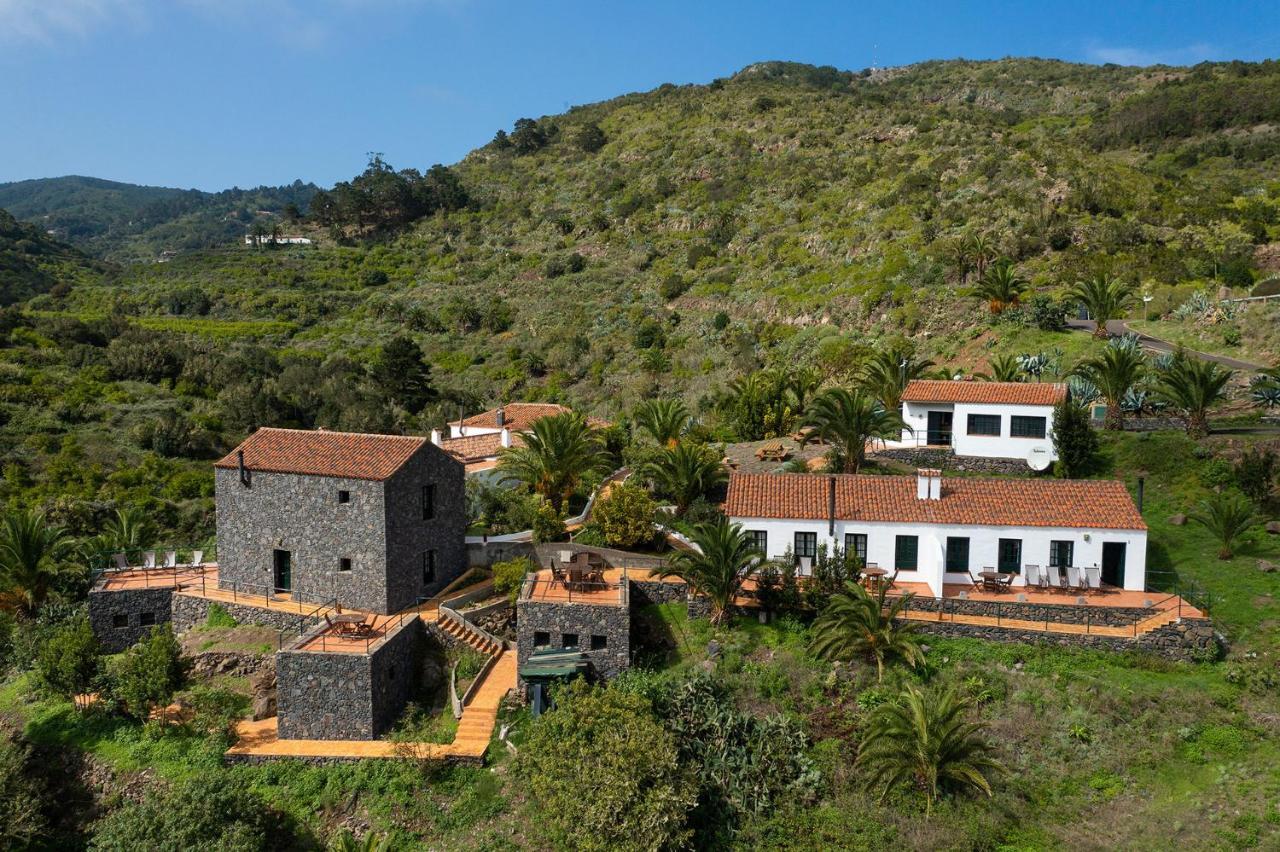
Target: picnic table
773,451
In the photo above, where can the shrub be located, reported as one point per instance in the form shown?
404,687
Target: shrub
509,576
67,663
591,138
625,516
595,789
373,278
21,817
1074,440
720,321
672,287
147,675
547,525
195,815
219,617
215,711
1255,473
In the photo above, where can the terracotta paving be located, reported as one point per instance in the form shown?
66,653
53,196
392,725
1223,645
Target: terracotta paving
547,588
333,640
475,730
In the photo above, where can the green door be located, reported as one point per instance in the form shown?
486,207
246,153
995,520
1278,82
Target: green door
282,570
1010,557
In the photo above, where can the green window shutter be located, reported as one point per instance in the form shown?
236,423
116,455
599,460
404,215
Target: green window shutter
906,552
958,554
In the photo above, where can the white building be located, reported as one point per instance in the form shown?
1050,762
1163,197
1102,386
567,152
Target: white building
266,240
477,440
997,420
935,531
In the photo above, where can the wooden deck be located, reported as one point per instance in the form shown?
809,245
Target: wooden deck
545,588
331,640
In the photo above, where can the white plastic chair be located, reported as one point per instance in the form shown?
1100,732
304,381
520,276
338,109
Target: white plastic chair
149,559
171,559
121,561
197,558
1073,577
805,566
1094,577
1031,575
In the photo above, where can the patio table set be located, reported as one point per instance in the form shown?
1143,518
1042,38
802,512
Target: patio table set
355,625
1067,578
579,571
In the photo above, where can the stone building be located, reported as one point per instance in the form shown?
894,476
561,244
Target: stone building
596,623
375,521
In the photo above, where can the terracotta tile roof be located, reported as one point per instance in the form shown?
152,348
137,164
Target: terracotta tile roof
1008,393
1089,504
520,416
471,448
349,455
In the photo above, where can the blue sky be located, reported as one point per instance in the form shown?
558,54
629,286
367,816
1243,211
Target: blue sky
215,93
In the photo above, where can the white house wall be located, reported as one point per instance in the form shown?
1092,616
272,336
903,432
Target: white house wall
1004,446
983,545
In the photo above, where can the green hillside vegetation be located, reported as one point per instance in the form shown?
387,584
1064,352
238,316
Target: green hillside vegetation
31,262
123,221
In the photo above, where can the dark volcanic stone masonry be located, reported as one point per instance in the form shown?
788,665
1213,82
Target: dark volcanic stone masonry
591,624
366,543
120,618
330,696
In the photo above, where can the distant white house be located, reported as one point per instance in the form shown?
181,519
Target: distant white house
292,240
933,530
477,440
998,420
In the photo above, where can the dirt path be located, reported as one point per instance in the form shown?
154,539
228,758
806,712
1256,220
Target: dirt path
1119,328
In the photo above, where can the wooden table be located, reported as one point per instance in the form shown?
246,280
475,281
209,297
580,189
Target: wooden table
874,575
995,580
347,621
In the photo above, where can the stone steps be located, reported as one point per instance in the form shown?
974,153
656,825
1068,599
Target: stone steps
472,637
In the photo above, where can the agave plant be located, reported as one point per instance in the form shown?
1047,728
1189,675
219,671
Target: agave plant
1264,388
1082,390
1033,364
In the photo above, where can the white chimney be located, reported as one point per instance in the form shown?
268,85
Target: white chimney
501,417
928,484
506,437
435,437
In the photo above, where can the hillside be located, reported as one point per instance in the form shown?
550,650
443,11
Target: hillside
31,262
126,221
789,216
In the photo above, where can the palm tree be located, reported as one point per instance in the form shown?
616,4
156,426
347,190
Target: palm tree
924,740
1193,387
666,420
887,373
1001,286
847,420
1004,368
684,473
725,560
1227,517
1114,373
980,251
803,383
855,624
31,559
1105,298
558,452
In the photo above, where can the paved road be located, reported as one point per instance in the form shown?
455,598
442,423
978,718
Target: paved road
1116,328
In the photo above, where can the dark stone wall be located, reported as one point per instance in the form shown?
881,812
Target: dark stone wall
189,611
301,514
1191,640
586,620
1053,613
333,696
947,460
649,592
130,605
409,536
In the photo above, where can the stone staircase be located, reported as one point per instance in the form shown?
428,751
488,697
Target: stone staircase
464,631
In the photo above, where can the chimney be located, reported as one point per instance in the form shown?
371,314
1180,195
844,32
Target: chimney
501,415
435,437
506,434
244,473
831,506
928,484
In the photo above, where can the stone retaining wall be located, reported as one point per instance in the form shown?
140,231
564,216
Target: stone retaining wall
649,592
585,620
1191,640
1118,616
122,617
947,460
190,611
335,696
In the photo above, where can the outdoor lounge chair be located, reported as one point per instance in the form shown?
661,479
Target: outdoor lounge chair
171,559
977,581
1073,577
804,566
149,559
197,558
121,561
1093,578
1031,575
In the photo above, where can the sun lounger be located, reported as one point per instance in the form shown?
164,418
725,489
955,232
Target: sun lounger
197,558
149,559
120,560
171,559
